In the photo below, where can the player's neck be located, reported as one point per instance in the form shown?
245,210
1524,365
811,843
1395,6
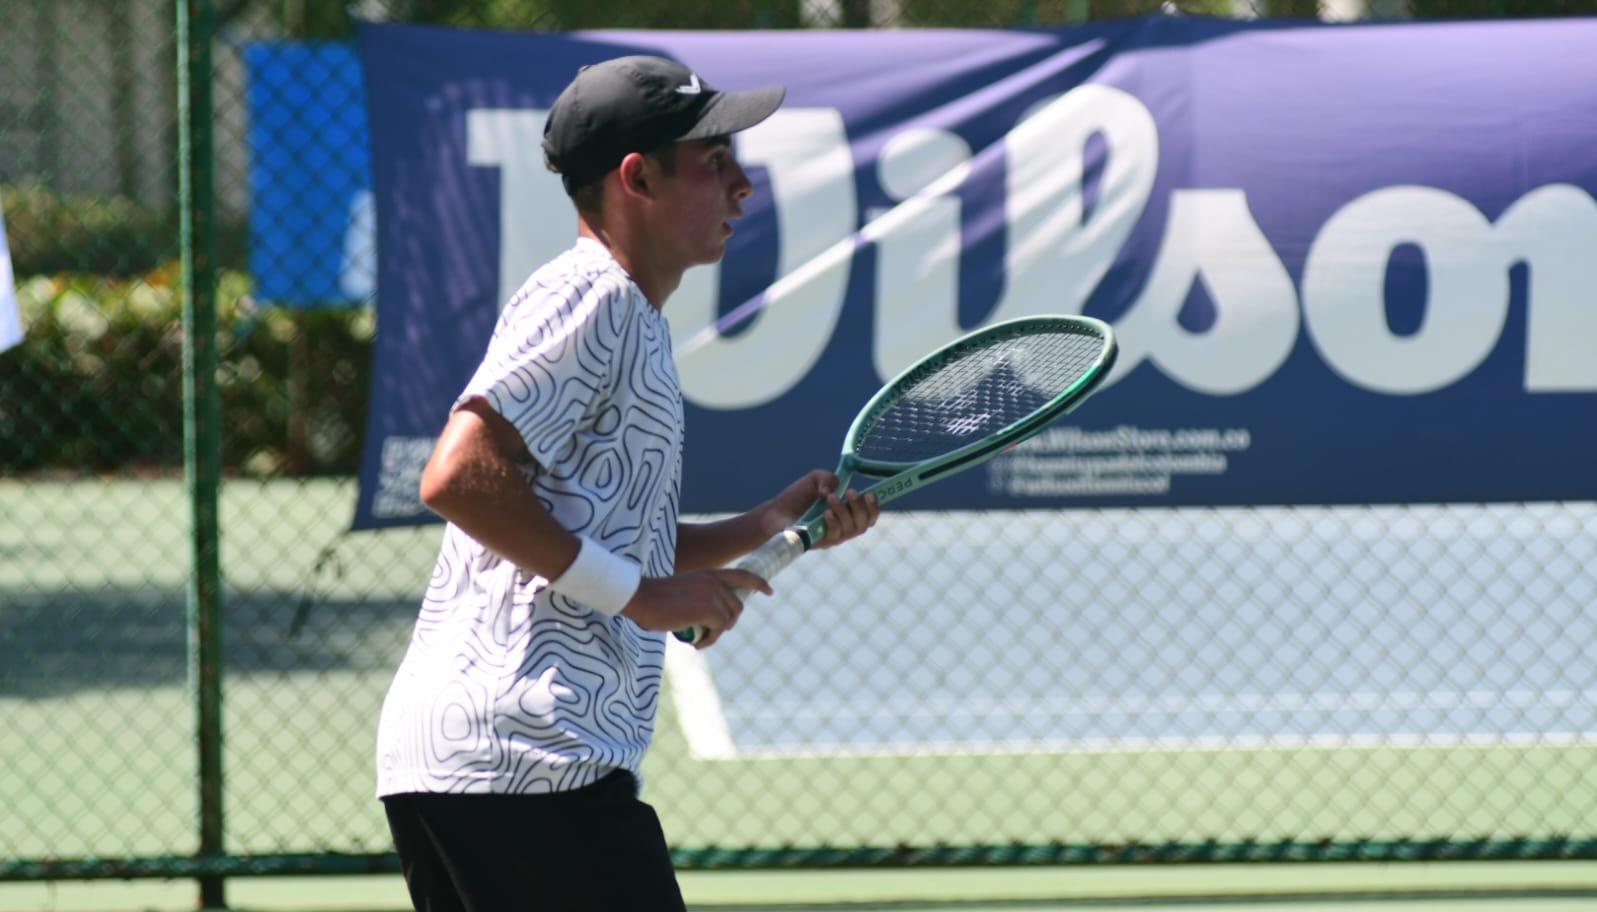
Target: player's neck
656,280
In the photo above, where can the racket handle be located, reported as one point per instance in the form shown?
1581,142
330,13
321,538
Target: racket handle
765,562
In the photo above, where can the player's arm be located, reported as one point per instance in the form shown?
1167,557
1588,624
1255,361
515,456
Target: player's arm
715,544
473,480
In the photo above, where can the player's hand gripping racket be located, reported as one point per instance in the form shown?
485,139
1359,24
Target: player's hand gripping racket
957,408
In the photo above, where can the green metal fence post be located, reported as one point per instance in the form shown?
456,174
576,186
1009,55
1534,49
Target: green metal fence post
201,419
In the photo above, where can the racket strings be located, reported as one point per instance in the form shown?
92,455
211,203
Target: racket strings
978,393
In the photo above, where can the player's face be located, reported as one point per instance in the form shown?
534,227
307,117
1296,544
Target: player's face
701,198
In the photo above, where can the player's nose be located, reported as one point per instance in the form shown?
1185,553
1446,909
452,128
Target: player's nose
741,188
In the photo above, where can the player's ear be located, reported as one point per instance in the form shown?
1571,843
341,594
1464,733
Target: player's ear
635,177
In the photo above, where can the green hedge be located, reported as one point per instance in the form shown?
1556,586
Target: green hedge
96,384
51,233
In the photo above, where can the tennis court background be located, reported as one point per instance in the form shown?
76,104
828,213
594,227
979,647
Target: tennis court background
1169,685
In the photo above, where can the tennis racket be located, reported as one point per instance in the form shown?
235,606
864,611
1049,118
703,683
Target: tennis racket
953,410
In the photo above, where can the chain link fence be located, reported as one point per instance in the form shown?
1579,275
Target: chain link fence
1384,683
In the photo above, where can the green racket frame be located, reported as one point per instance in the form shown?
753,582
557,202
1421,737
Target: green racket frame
899,478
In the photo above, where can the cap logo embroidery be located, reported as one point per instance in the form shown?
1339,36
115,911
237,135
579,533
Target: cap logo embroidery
692,88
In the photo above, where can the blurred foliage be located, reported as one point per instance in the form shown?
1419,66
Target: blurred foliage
97,382
51,232
335,18
113,236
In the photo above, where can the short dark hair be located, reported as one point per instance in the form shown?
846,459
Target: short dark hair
588,197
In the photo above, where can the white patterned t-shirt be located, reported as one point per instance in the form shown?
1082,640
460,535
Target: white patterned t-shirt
508,687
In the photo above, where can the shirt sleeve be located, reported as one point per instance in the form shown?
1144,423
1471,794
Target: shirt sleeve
550,361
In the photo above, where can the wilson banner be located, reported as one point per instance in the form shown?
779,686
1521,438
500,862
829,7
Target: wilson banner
1347,263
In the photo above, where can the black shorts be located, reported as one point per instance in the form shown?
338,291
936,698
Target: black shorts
596,848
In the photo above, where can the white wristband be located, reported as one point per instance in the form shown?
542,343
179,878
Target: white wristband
599,579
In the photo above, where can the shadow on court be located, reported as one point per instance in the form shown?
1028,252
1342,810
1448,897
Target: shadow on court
58,643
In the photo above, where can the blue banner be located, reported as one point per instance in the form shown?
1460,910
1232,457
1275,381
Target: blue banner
311,232
1347,264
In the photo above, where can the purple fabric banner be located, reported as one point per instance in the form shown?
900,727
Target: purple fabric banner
1346,263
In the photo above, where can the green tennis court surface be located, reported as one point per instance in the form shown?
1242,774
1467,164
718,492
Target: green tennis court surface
97,757
1540,887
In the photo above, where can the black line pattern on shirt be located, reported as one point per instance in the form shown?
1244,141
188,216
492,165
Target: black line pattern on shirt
508,686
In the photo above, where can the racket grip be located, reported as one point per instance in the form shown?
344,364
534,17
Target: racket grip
764,562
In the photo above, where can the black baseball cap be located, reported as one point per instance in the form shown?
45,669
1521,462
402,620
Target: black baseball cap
638,104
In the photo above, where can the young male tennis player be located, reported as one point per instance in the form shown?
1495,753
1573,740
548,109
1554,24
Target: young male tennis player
511,738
